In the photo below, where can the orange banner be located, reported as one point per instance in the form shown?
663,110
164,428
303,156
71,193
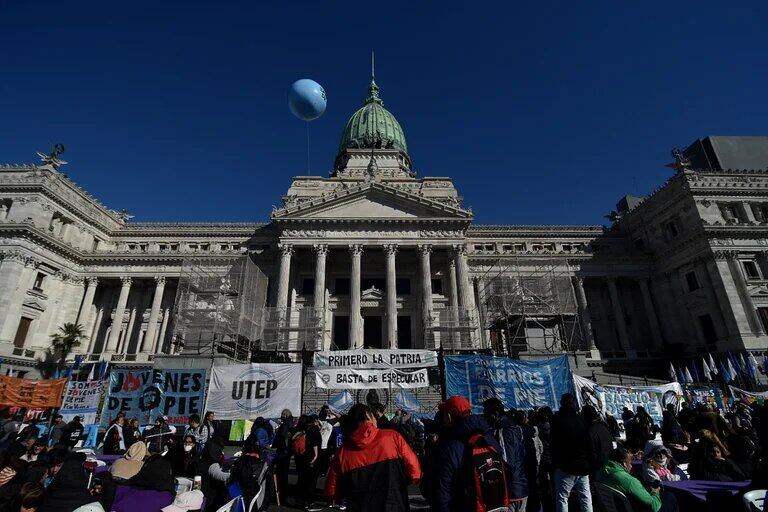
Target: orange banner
28,393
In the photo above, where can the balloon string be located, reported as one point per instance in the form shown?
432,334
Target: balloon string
309,172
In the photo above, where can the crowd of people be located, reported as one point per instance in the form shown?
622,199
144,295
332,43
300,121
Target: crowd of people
514,460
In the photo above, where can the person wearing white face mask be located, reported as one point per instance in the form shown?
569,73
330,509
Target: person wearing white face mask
656,464
184,457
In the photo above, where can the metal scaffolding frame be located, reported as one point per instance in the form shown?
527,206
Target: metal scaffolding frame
518,298
218,308
293,329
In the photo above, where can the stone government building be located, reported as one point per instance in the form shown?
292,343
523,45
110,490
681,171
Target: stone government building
376,256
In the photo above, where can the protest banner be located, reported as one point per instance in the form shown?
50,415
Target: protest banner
375,359
519,384
351,378
247,391
612,399
749,397
31,394
147,394
82,399
708,395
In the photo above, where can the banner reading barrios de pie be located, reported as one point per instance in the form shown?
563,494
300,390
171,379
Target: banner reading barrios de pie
31,394
247,391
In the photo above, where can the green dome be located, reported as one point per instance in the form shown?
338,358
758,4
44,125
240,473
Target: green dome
373,126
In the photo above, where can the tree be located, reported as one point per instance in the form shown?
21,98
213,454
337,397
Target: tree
68,338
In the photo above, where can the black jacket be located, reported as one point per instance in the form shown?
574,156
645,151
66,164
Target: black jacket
602,444
571,443
68,490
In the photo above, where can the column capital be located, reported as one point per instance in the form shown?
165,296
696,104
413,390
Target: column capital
91,280
285,249
459,249
424,249
320,249
159,280
390,249
355,249
126,280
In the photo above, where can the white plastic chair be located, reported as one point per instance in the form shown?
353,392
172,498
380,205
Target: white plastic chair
754,500
612,500
232,505
683,468
183,484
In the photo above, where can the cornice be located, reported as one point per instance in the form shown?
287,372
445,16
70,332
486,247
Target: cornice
521,230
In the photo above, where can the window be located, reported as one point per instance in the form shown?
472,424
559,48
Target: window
95,244
308,286
506,247
692,281
670,228
437,286
763,314
750,268
567,247
373,282
708,329
403,286
21,332
342,286
39,279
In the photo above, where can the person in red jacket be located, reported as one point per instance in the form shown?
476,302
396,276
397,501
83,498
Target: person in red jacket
373,468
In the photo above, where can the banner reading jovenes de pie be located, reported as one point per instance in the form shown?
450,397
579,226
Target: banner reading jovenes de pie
247,391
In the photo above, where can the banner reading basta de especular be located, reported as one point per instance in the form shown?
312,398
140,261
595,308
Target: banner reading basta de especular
247,391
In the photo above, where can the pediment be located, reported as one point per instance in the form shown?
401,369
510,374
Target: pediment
35,305
372,201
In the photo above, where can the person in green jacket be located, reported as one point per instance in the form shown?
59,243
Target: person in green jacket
616,475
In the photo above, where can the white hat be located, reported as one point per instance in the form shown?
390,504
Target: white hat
190,500
90,507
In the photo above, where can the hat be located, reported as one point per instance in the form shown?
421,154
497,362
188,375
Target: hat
654,447
129,464
456,406
90,507
190,500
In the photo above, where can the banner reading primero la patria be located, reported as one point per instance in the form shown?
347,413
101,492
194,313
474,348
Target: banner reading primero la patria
375,359
519,384
147,394
247,391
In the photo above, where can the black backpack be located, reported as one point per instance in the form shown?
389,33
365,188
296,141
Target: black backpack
485,476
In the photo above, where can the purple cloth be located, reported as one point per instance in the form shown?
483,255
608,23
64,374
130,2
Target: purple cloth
131,499
109,459
699,489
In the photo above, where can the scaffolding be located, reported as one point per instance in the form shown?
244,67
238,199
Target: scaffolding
293,329
452,329
219,308
530,306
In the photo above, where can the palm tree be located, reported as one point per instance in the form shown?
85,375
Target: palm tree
62,343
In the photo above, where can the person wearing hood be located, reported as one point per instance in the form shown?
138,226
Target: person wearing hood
184,457
373,468
616,475
263,431
511,440
656,459
211,468
451,493
129,464
69,488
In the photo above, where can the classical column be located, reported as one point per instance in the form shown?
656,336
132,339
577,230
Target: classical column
618,313
453,289
586,320
391,251
321,253
650,312
355,319
83,316
154,314
283,281
125,345
737,270
157,345
114,335
466,294
426,285
94,331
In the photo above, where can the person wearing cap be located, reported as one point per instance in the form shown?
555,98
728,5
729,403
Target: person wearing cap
373,468
655,464
450,493
188,501
511,439
129,464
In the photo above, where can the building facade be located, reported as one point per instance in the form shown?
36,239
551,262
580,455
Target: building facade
375,256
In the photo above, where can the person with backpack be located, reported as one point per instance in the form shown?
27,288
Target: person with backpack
471,474
306,444
251,472
571,455
282,447
372,469
511,439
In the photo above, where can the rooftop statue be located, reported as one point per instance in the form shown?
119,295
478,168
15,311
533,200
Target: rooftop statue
52,160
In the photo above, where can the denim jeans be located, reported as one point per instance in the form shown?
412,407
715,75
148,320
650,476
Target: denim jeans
564,484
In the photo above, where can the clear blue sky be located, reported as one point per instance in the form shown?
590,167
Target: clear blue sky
542,113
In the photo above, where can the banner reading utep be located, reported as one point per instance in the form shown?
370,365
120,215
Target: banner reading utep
31,394
247,391
147,394
351,378
82,399
519,384
374,358
612,399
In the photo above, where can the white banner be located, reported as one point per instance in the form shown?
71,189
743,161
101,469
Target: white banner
374,358
747,396
350,378
81,399
247,391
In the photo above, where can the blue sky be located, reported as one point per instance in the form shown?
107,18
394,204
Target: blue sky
542,113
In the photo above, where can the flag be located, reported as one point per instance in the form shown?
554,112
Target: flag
731,369
688,377
77,363
408,402
745,369
753,365
672,374
91,375
103,368
727,377
705,369
341,402
695,372
712,365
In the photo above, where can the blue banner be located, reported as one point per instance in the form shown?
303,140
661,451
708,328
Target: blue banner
519,384
147,394
708,395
